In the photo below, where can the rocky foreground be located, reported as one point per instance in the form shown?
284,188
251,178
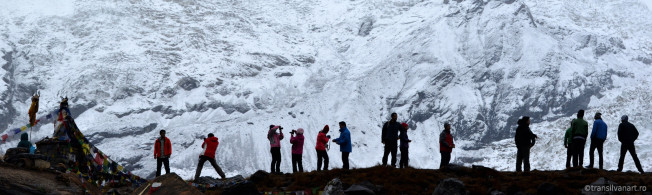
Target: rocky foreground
374,180
474,180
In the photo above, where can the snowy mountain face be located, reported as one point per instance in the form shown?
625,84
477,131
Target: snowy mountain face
232,68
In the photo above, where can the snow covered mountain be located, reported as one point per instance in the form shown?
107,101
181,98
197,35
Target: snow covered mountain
233,68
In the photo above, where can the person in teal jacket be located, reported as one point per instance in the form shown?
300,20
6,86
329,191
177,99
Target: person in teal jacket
345,144
24,141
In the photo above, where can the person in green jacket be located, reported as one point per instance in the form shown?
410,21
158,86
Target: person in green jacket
579,132
24,141
567,142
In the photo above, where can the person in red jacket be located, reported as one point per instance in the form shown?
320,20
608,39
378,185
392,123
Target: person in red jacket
208,154
162,152
446,145
322,140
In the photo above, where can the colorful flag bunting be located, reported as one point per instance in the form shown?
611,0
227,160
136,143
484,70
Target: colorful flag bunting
16,131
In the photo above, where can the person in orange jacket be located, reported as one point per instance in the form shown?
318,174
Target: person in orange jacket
162,152
208,154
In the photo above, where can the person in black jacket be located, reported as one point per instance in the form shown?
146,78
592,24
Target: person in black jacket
627,134
390,138
524,139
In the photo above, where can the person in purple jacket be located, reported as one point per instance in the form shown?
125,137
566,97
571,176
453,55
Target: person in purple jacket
297,149
275,146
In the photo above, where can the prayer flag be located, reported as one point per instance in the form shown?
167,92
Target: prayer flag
98,159
105,166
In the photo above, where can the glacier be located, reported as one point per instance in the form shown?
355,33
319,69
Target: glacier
232,68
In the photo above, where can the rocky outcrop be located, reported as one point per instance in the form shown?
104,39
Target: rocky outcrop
167,184
450,186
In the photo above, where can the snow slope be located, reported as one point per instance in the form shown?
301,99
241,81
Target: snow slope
233,68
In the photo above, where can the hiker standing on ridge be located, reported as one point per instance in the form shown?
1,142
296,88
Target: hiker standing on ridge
405,144
627,134
579,131
446,145
297,149
389,136
345,144
524,139
162,152
322,140
275,146
208,154
598,136
568,140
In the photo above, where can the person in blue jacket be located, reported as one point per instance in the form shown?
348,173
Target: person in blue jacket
598,136
345,144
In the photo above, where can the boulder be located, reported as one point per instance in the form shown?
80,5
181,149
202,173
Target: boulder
450,186
356,189
259,176
371,186
334,187
232,185
206,180
167,184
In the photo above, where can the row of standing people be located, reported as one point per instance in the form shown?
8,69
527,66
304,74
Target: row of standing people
392,133
163,150
275,135
163,147
575,141
576,136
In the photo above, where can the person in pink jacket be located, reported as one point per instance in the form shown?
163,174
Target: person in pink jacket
297,149
275,146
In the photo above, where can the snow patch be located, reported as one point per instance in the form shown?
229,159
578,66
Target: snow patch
37,8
